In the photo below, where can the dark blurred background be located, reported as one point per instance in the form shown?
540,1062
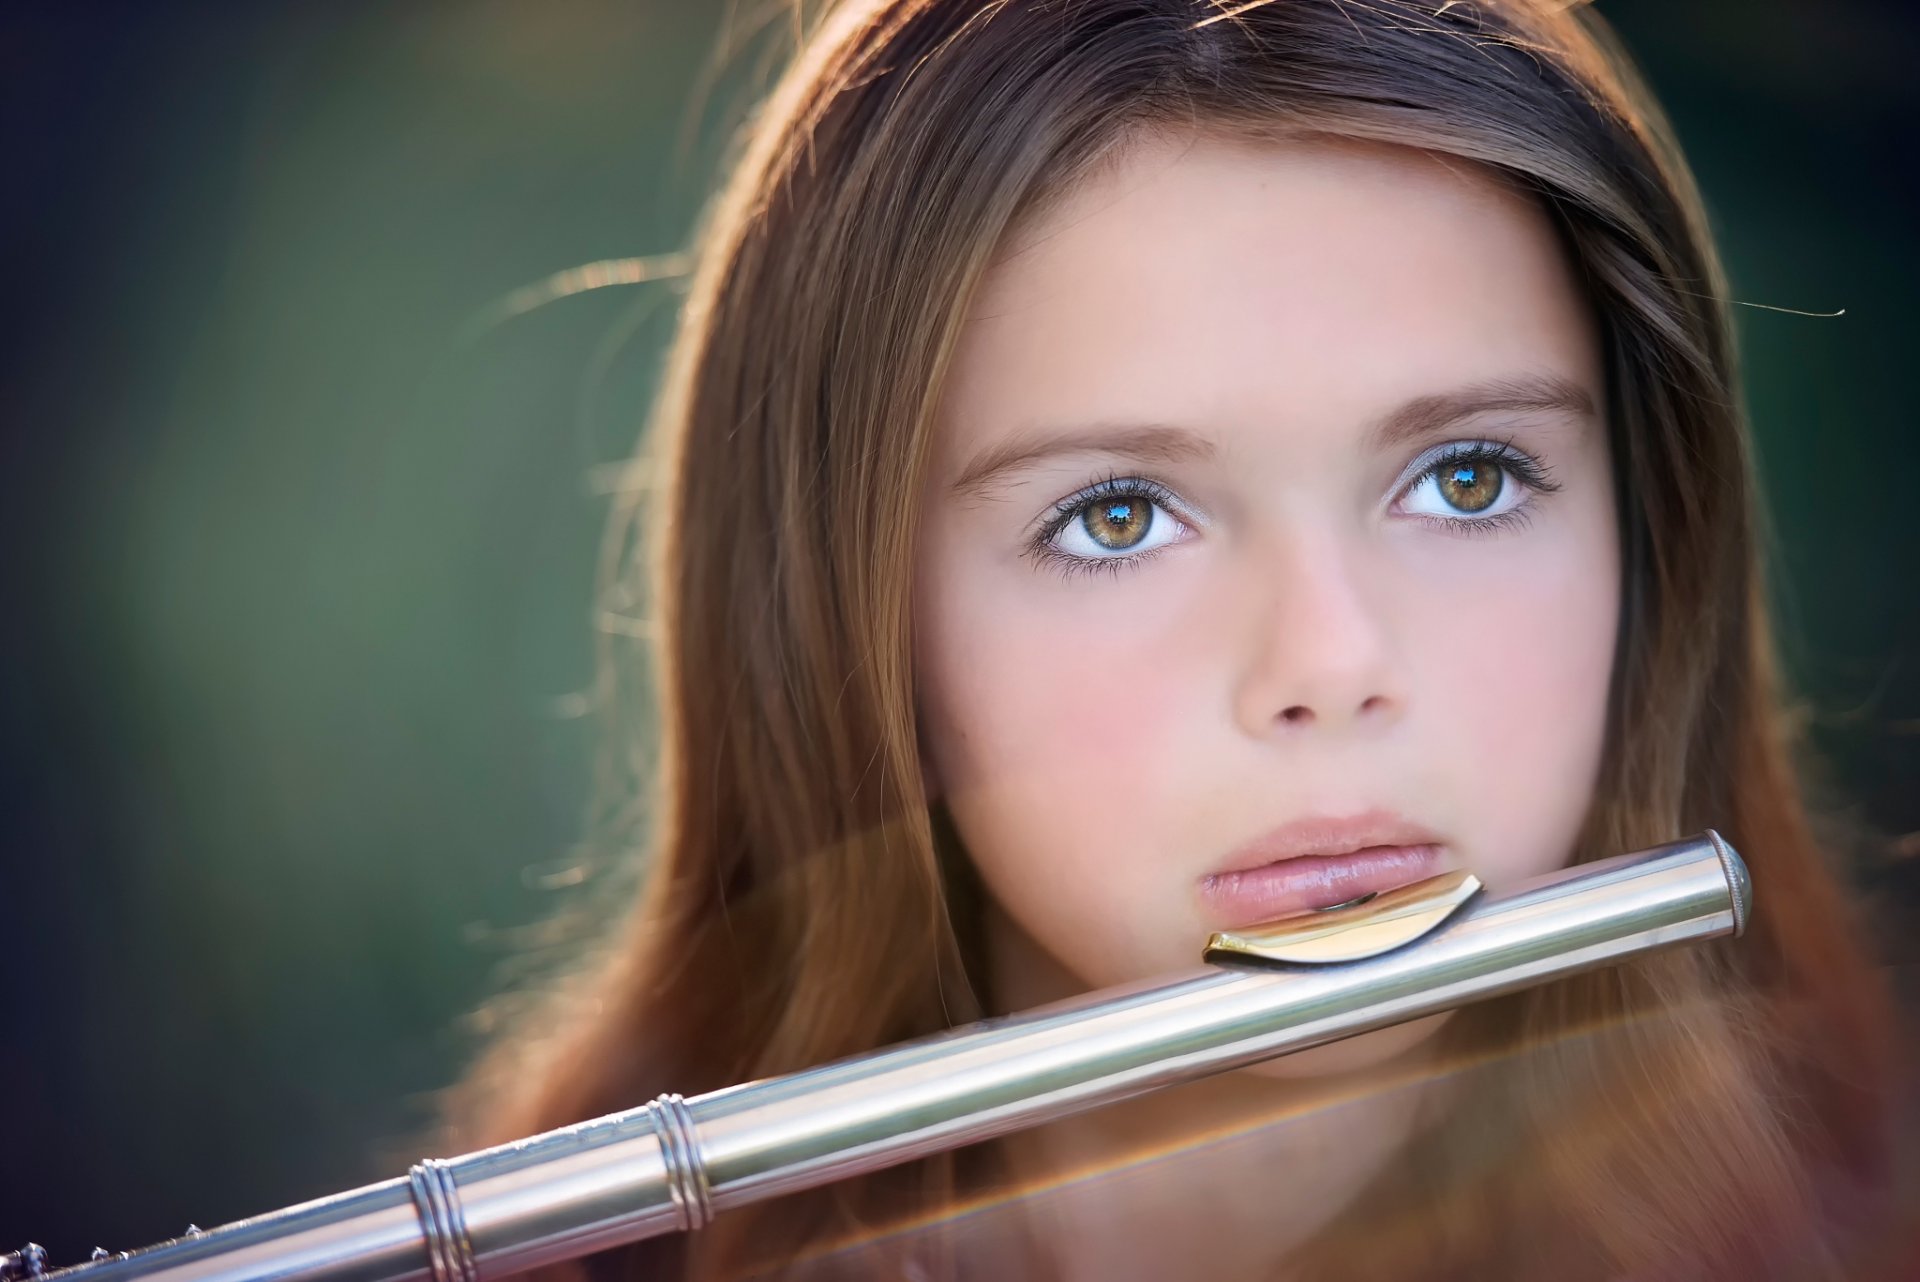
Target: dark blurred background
300,518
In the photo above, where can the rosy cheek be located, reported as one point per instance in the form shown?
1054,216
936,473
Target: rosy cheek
1073,702
1060,734
1111,737
1514,679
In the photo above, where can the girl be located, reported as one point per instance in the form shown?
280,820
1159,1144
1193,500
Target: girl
1112,445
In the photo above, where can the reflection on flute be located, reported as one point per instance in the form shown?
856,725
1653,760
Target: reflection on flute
673,1164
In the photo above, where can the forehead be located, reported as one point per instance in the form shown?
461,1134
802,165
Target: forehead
1209,279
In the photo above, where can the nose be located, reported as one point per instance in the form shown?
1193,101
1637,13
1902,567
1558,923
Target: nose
1320,648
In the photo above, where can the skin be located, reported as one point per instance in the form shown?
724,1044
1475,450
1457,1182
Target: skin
1300,632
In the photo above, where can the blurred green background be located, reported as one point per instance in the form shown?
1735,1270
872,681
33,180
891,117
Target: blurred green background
300,531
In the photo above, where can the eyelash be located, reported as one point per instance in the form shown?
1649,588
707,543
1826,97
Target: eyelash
1071,508
1534,475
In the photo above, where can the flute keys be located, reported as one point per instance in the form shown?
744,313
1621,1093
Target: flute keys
30,1261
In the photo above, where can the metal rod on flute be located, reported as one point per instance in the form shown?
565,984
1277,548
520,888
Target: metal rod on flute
675,1163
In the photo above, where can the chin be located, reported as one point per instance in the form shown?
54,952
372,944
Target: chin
1367,1050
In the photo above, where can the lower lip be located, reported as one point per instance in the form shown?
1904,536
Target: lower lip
1252,896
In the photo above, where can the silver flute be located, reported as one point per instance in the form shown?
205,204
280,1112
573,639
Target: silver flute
675,1163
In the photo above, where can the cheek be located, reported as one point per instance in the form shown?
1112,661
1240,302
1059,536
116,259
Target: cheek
1051,723
1038,698
1515,679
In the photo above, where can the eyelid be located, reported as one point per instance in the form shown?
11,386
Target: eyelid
1527,469
1131,484
1040,542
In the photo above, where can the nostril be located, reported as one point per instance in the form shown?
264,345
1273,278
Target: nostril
1297,715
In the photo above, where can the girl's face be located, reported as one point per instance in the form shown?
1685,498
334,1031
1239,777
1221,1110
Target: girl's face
1271,488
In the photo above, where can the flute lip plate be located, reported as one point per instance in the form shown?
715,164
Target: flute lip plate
1349,932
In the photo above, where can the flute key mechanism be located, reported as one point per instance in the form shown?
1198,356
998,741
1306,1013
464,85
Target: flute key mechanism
30,1261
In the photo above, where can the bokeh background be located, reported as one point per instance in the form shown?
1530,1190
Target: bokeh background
301,503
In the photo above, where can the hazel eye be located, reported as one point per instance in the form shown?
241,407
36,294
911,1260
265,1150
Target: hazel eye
1472,484
1114,526
1118,524
1470,487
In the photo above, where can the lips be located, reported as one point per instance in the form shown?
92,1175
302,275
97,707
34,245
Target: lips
1318,863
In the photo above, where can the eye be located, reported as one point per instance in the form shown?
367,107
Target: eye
1119,520
1473,482
1116,523
1472,486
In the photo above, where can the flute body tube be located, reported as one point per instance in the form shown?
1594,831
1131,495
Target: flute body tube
675,1163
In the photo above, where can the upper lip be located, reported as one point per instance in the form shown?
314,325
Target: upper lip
1326,835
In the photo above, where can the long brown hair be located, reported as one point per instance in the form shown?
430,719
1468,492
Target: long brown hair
794,899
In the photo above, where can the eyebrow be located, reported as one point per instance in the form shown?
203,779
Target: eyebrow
1169,443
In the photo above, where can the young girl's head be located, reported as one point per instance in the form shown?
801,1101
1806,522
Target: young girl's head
1270,488
1114,443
